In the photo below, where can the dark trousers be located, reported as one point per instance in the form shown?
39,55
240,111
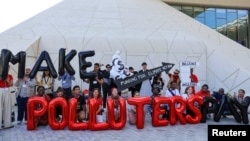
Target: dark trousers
58,111
105,93
22,108
67,93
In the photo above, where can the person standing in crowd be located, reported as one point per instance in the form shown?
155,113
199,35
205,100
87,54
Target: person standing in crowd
193,78
97,97
97,81
66,83
47,81
5,101
106,86
81,103
134,88
176,78
158,82
25,89
42,120
144,86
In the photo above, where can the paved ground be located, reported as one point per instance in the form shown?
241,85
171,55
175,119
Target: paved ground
188,132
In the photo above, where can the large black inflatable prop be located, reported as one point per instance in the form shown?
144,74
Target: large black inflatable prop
64,62
83,65
6,57
44,56
209,106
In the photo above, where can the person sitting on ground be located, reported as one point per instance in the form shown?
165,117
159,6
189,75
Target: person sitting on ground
81,103
204,91
132,111
155,93
116,97
59,93
186,95
170,92
218,96
240,96
98,105
42,120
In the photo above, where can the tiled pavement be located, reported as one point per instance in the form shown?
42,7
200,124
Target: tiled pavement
187,132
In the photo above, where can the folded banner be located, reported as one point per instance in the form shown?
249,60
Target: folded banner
139,77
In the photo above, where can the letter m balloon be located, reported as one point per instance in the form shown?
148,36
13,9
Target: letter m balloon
6,57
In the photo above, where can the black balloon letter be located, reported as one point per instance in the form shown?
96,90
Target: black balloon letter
44,56
64,61
6,57
83,65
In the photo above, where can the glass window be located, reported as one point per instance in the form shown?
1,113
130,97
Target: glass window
188,10
231,16
242,13
233,23
199,12
210,18
177,7
231,31
221,13
221,22
201,19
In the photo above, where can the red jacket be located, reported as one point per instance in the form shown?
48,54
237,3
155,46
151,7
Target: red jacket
201,93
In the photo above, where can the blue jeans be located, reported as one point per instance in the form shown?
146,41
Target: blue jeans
21,108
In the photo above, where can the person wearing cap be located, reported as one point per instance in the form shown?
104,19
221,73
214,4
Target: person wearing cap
106,86
145,86
175,77
25,89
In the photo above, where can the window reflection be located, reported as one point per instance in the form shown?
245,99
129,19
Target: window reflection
232,23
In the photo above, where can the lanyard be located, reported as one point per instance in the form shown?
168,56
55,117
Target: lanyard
46,81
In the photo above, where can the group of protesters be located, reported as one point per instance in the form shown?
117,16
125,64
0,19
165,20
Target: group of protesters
101,87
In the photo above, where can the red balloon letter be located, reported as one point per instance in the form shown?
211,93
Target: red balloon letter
139,102
111,116
72,124
32,112
177,107
157,111
92,117
192,107
59,101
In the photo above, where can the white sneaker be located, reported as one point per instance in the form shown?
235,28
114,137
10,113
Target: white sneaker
19,122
